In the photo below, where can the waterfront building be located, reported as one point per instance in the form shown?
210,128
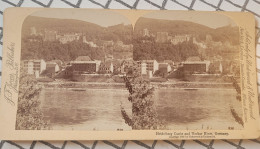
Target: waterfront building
52,67
215,67
165,67
106,67
119,66
143,67
195,65
85,65
170,62
59,62
34,67
151,65
148,65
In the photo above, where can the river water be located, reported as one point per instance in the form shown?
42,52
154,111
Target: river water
99,109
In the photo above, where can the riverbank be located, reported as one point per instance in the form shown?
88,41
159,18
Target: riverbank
98,85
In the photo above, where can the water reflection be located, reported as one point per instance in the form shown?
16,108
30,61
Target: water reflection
100,108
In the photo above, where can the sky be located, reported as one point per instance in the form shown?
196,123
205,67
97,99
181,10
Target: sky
100,17
212,20
108,18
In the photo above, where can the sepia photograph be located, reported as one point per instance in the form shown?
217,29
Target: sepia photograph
192,61
72,68
95,70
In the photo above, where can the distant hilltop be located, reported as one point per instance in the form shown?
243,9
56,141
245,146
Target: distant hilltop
38,25
178,27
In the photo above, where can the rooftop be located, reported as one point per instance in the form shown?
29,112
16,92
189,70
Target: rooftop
83,58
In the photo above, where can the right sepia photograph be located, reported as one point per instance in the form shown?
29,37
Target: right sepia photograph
192,63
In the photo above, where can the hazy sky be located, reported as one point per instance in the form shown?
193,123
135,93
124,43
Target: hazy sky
101,17
108,18
211,20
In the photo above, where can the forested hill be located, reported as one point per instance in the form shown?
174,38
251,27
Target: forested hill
50,50
177,27
91,30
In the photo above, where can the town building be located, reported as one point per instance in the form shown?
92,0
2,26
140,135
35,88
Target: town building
68,38
85,65
165,67
148,67
146,33
180,38
195,65
106,67
164,70
59,62
142,67
162,37
34,67
151,65
118,66
66,73
170,62
215,67
90,43
52,69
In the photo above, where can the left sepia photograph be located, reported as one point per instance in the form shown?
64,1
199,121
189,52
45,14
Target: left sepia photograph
72,68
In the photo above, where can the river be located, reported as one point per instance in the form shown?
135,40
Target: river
99,109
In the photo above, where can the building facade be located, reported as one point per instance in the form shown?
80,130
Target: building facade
180,38
196,66
68,38
34,67
52,67
106,67
148,66
165,67
85,67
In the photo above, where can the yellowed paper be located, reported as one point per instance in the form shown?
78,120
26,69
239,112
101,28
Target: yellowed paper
87,74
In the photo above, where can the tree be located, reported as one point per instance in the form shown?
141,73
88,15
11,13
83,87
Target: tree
29,115
144,115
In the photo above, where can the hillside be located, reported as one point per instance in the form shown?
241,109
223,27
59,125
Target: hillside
148,48
177,27
91,30
48,50
170,26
